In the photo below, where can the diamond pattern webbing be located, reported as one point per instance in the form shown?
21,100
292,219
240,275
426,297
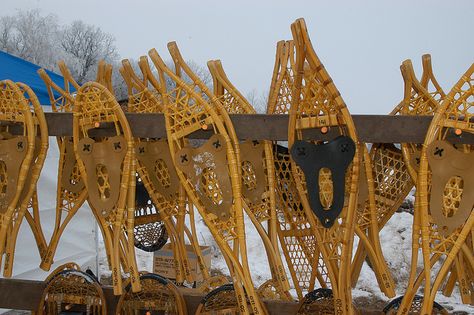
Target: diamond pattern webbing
300,245
392,183
154,296
76,288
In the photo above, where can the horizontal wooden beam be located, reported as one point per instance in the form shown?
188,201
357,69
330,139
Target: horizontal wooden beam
370,128
25,295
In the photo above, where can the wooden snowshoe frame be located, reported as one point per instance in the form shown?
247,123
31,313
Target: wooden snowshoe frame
68,287
17,156
156,170
158,294
391,178
95,105
258,189
71,191
316,103
185,112
319,301
297,240
220,301
29,198
167,193
454,114
104,75
415,308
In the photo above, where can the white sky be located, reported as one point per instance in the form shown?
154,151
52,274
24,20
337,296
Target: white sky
361,43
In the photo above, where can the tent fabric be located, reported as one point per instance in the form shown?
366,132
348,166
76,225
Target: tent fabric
19,70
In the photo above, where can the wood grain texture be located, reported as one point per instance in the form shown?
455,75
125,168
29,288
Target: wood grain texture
370,128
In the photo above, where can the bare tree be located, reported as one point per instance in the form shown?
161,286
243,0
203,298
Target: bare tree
30,36
84,45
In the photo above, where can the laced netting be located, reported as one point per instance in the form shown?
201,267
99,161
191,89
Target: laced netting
154,296
392,183
221,301
96,105
72,288
145,101
415,308
319,302
186,114
301,249
461,108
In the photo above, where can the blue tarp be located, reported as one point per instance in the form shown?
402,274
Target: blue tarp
20,70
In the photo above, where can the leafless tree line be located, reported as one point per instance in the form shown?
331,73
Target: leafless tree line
41,39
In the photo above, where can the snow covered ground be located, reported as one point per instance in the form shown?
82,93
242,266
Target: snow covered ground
396,245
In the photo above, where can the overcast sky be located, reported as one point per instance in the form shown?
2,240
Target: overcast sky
361,43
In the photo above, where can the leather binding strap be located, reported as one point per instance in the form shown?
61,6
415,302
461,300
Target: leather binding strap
436,241
70,289
334,156
258,189
158,295
185,112
452,173
295,234
316,104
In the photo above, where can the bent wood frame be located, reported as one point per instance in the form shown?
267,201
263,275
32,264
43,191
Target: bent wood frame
261,208
94,105
71,192
152,100
312,86
15,109
206,113
298,246
455,112
143,100
29,197
391,176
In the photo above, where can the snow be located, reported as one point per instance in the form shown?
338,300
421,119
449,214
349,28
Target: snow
396,245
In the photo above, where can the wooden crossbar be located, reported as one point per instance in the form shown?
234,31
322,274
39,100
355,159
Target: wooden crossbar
370,128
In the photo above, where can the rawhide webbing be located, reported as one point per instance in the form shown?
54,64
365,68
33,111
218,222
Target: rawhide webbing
253,173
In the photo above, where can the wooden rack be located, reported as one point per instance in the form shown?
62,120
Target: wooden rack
25,294
370,128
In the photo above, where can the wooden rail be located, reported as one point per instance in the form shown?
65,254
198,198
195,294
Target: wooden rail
26,294
370,128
